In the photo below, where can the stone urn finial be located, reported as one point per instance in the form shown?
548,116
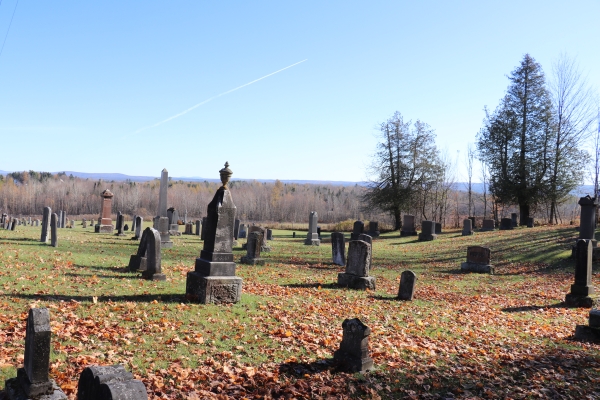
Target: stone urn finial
225,175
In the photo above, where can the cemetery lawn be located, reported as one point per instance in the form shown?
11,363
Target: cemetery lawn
506,335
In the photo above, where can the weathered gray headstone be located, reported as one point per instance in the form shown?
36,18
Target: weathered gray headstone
203,231
253,249
406,290
84,224
153,257
357,229
358,264
373,229
189,228
582,288
353,354
60,219
427,231
467,227
366,238
488,225
173,216
139,225
269,234
33,381
54,230
63,221
109,382
338,248
133,221
438,228
478,260
312,238
243,233
198,227
45,224
214,280
161,221
506,224
408,226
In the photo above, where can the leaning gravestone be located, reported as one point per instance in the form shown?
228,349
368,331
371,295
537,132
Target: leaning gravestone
253,248
582,288
357,229
214,280
408,226
488,225
53,230
353,354
427,231
312,237
153,270
110,382
45,224
406,290
137,262
338,248
358,264
467,227
478,260
506,224
33,381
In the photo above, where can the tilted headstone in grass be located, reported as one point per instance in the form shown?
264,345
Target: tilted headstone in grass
582,288
110,382
408,226
33,381
506,224
406,290
312,237
427,231
338,248
105,225
153,257
467,227
353,354
214,280
137,262
161,221
139,225
357,229
478,260
488,225
358,265
253,248
54,230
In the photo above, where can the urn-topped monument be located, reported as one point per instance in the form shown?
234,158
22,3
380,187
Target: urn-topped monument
214,280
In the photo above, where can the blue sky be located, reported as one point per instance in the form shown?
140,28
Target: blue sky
78,80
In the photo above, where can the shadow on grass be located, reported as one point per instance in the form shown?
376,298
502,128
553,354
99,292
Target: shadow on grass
142,298
300,369
535,308
313,285
105,276
385,298
102,268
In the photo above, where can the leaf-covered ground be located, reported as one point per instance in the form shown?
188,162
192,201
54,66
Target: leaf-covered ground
464,336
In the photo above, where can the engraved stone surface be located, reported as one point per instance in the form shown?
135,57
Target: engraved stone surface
478,260
582,288
338,248
353,354
408,226
406,290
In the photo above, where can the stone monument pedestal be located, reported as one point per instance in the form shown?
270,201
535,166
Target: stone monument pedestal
213,289
356,282
474,267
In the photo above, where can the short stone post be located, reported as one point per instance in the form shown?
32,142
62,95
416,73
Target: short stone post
406,290
353,354
54,230
338,248
582,288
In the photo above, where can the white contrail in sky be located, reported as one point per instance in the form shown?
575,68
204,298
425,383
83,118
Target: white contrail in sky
214,97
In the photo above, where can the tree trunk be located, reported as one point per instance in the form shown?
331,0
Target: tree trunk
397,220
524,211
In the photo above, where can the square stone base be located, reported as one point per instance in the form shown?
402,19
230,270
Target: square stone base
481,268
587,333
312,242
153,277
252,261
425,238
166,245
213,289
51,391
105,228
356,282
347,363
572,300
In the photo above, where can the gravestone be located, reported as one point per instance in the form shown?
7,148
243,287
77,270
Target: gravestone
236,229
408,226
587,225
590,332
133,221
513,220
368,239
294,235
33,381
312,238
406,290
120,224
478,260
243,233
139,225
45,224
202,232
63,221
488,225
126,228
264,245
59,222
54,230
473,224
582,288
214,280
467,227
427,231
506,224
530,222
357,229
189,228
319,232
105,225
37,222
138,261
13,226
198,227
173,216
253,248
338,248
358,264
353,354
153,270
84,224
438,228
269,234
373,229
161,221
110,382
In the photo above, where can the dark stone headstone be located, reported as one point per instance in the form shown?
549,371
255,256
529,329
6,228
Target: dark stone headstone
438,228
120,224
137,262
406,290
13,226
514,220
338,248
530,222
353,354
506,224
139,225
590,332
270,234
126,228
202,233
109,382
478,260
587,225
319,232
198,223
467,227
312,238
357,229
236,229
293,234
582,288
473,222
189,228
488,225
243,233
408,226
427,231
253,249
53,230
133,222
358,265
373,229
153,257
